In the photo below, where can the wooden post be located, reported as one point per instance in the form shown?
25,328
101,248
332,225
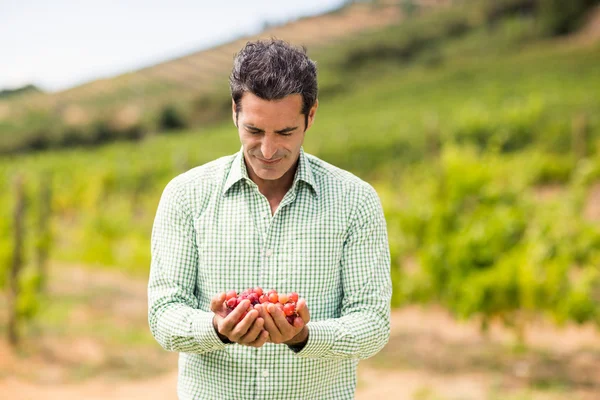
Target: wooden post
433,140
44,231
17,261
579,134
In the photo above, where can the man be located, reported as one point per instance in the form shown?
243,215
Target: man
270,216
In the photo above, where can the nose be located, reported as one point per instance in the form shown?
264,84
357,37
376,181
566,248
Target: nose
268,147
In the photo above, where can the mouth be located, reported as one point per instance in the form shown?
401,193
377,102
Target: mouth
269,162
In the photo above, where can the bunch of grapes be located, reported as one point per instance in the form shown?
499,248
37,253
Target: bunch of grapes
285,302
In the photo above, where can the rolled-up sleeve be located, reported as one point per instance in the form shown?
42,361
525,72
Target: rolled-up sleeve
364,325
173,315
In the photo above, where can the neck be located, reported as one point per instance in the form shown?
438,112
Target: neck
274,189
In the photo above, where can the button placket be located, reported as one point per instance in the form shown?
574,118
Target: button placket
267,253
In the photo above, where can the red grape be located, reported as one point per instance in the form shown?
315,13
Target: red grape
231,303
289,309
253,297
273,297
231,294
286,302
283,298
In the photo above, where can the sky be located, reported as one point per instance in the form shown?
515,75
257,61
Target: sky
59,44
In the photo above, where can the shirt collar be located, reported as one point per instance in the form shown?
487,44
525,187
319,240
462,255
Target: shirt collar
238,172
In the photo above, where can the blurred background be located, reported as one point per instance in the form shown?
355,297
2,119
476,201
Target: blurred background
478,122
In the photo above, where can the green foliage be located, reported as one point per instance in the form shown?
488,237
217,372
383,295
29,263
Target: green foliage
5,252
547,169
104,131
171,118
496,10
408,7
28,302
5,93
560,17
211,109
587,172
403,42
511,129
486,249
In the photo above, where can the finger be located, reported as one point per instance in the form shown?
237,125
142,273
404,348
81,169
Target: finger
261,340
279,318
230,322
302,310
269,324
253,332
216,303
243,326
299,323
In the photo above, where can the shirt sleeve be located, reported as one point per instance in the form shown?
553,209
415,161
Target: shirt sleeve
173,315
364,325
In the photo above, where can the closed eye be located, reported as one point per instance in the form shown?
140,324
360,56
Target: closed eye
287,131
283,132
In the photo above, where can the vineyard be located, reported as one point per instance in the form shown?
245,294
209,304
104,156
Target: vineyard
172,94
482,139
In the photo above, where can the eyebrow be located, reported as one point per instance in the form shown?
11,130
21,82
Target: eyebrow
284,130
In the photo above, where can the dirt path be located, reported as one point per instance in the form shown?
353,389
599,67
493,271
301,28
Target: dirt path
376,381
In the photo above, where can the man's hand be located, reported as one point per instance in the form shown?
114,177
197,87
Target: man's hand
280,330
249,331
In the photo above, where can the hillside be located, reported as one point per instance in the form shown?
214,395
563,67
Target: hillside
139,92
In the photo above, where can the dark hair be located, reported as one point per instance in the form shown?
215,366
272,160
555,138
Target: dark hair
273,69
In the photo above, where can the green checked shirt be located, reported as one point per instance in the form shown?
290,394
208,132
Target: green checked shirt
327,241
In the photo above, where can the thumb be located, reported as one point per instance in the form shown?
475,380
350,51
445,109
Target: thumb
302,310
216,303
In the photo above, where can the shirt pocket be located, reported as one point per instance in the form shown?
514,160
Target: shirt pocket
228,257
313,263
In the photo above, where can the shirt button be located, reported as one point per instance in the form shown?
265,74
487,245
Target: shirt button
265,373
269,253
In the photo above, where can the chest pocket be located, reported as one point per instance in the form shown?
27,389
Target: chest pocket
314,251
228,249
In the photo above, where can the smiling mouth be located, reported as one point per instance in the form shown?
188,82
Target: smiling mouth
269,162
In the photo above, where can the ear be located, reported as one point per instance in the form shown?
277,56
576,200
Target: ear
312,113
234,112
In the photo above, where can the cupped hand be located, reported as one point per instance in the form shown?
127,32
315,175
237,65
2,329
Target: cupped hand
279,329
243,325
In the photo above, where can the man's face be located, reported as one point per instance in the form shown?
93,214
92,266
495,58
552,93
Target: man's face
271,132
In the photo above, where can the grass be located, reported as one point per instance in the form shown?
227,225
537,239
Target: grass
94,325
